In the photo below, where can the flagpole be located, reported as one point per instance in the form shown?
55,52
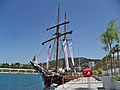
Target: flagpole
78,58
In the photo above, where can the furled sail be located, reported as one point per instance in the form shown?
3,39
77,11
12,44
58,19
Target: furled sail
48,56
71,53
65,54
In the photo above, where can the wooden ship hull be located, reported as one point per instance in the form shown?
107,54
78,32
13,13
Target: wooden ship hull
51,78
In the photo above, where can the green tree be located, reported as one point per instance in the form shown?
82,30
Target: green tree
111,36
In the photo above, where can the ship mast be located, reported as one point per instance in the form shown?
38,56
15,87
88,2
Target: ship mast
64,37
65,26
58,35
57,38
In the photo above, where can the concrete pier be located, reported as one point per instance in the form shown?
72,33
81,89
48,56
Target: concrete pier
81,83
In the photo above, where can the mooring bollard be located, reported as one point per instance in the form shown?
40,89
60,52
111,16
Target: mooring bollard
88,80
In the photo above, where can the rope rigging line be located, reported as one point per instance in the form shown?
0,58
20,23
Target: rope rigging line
37,51
41,51
52,49
51,34
52,19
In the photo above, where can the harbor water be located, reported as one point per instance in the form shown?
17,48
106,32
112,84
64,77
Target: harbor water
21,82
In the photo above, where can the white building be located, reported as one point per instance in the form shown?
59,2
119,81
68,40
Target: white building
91,65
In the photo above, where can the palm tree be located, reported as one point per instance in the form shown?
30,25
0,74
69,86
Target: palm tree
117,50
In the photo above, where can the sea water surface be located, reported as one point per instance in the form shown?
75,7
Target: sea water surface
21,82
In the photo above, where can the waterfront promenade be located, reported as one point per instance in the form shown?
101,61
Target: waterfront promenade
15,70
81,84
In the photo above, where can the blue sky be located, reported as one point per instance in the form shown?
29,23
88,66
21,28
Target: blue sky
23,26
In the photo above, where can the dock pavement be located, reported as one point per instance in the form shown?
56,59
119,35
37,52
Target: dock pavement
82,83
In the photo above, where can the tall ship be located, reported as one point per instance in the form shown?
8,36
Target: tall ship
62,42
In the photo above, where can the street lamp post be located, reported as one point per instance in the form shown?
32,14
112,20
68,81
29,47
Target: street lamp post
110,56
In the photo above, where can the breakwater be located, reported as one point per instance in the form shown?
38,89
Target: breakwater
15,70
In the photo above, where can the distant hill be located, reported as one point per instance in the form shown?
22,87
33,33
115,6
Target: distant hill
83,62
